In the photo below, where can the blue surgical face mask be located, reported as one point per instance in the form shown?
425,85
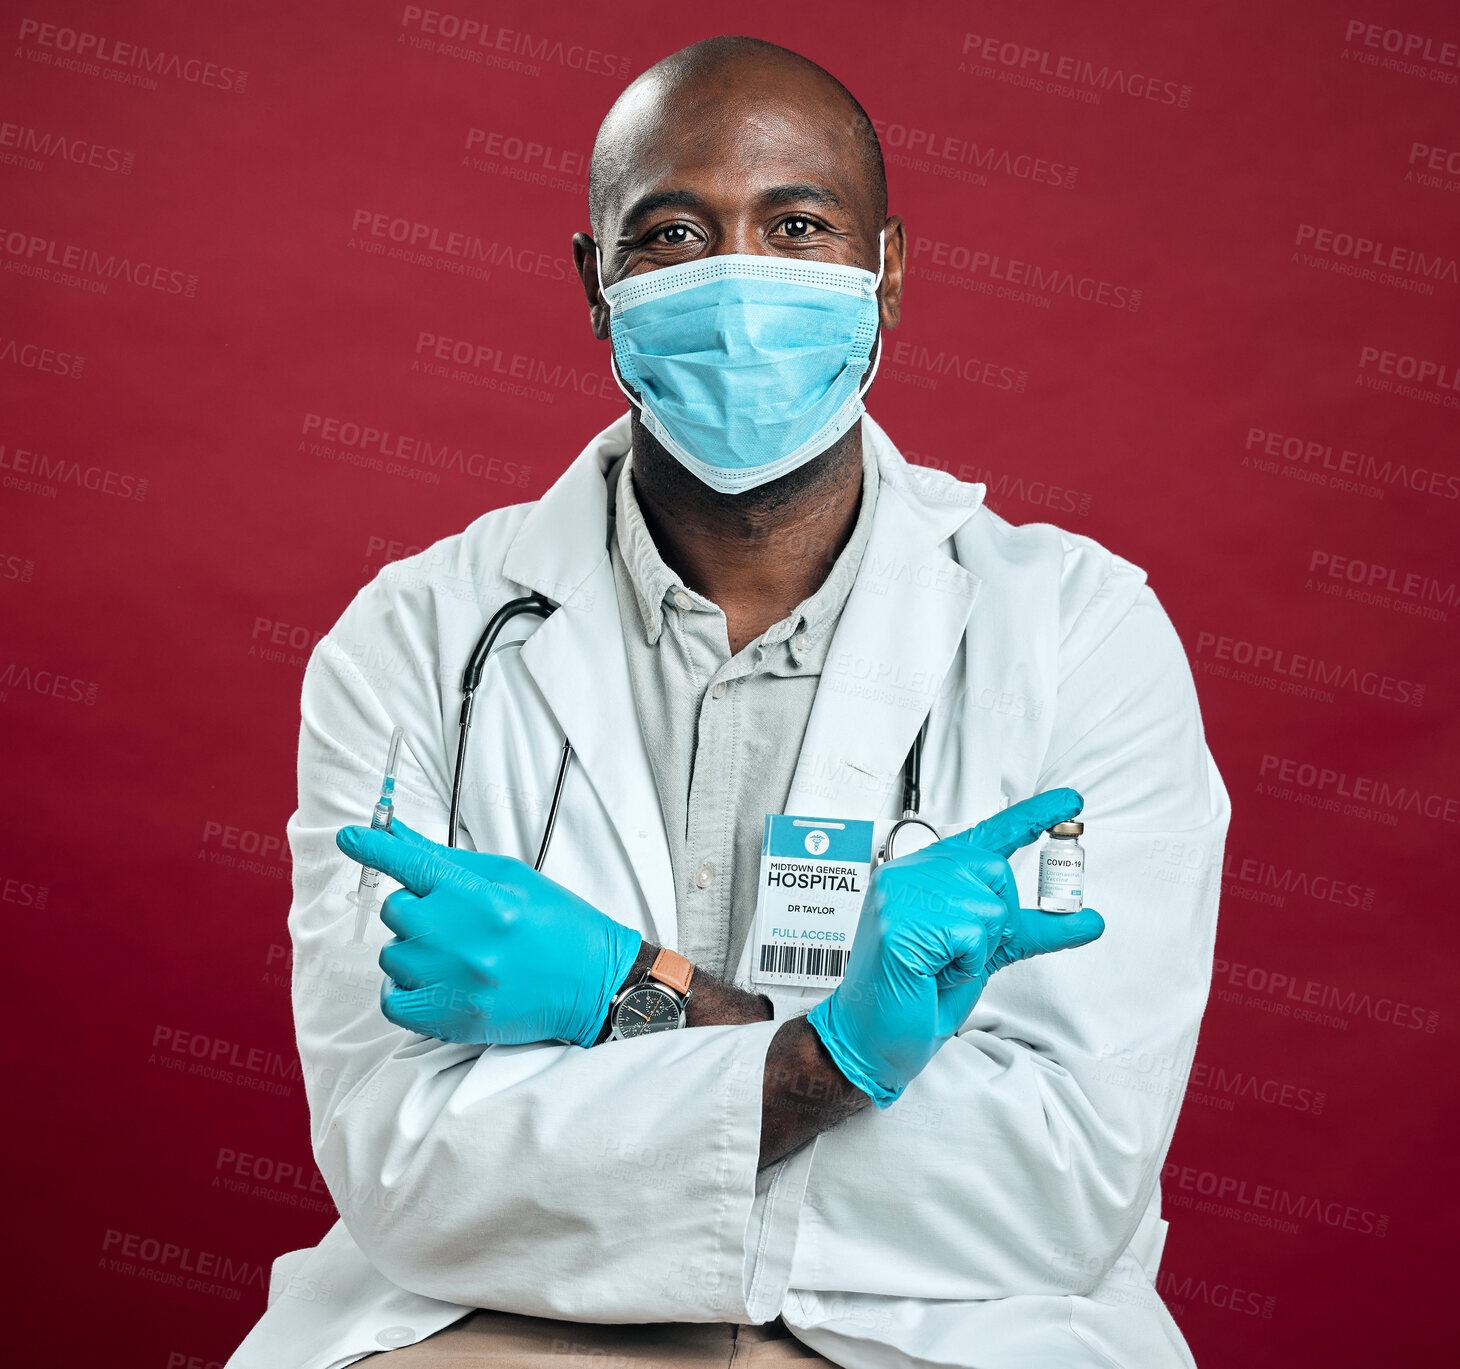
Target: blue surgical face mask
745,367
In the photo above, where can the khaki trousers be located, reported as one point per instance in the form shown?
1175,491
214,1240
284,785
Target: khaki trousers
504,1340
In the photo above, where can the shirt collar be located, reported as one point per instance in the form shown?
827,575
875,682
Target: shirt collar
648,574
805,626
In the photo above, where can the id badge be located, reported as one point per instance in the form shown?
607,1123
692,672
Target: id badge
813,876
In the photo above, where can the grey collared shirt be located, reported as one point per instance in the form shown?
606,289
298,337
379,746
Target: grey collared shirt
723,732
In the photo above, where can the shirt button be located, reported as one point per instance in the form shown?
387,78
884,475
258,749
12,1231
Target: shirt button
682,600
704,875
718,692
800,641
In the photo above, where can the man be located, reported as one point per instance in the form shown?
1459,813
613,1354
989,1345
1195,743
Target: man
946,1152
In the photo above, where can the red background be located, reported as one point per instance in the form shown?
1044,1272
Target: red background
150,713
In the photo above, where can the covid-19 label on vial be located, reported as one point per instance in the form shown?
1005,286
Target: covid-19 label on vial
1061,877
813,877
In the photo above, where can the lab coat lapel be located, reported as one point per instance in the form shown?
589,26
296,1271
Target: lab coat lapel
892,647
577,659
898,634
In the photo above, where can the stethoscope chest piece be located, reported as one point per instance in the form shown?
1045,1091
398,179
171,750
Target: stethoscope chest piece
907,835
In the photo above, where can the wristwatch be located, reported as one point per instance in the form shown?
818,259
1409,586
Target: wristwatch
655,1003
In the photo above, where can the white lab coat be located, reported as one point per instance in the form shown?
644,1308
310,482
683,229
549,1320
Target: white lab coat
1005,1211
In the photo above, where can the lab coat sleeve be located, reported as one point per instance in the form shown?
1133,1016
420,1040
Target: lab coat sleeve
618,1184
1031,1144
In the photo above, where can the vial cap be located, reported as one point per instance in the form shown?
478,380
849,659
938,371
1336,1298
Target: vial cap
1067,829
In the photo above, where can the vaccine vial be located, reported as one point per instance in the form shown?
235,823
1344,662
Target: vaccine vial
1062,869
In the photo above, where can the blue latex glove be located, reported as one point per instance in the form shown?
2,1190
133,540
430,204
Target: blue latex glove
934,927
487,949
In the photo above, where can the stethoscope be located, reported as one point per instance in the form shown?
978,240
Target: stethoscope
910,833
471,680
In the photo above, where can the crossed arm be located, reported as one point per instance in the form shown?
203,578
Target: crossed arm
427,1144
803,1093
489,950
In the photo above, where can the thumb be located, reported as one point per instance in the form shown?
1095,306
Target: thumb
1039,933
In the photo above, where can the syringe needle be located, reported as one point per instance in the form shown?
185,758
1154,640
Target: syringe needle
364,896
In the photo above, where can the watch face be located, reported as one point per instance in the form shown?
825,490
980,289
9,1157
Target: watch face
645,1009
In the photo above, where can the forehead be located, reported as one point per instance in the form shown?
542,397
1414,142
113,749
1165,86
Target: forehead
730,137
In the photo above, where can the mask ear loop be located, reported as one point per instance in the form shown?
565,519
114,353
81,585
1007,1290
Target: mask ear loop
877,360
612,362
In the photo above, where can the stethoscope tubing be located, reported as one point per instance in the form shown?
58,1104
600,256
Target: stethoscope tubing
471,679
539,607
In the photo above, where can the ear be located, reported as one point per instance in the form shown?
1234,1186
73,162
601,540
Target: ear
585,263
894,259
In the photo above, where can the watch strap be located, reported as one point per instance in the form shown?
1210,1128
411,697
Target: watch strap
673,969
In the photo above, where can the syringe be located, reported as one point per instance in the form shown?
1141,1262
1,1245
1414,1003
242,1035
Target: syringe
364,897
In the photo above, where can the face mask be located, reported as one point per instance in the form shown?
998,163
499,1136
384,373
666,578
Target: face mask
746,367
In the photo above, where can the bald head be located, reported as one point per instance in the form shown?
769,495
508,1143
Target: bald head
726,98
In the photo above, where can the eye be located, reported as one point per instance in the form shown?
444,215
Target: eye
797,226
672,234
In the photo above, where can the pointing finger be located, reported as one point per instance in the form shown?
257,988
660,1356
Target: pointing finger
483,863
1021,822
418,868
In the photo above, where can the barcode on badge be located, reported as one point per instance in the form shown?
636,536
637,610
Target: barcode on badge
824,961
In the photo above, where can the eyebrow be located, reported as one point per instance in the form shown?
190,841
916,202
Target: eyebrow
657,200
805,190
799,192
